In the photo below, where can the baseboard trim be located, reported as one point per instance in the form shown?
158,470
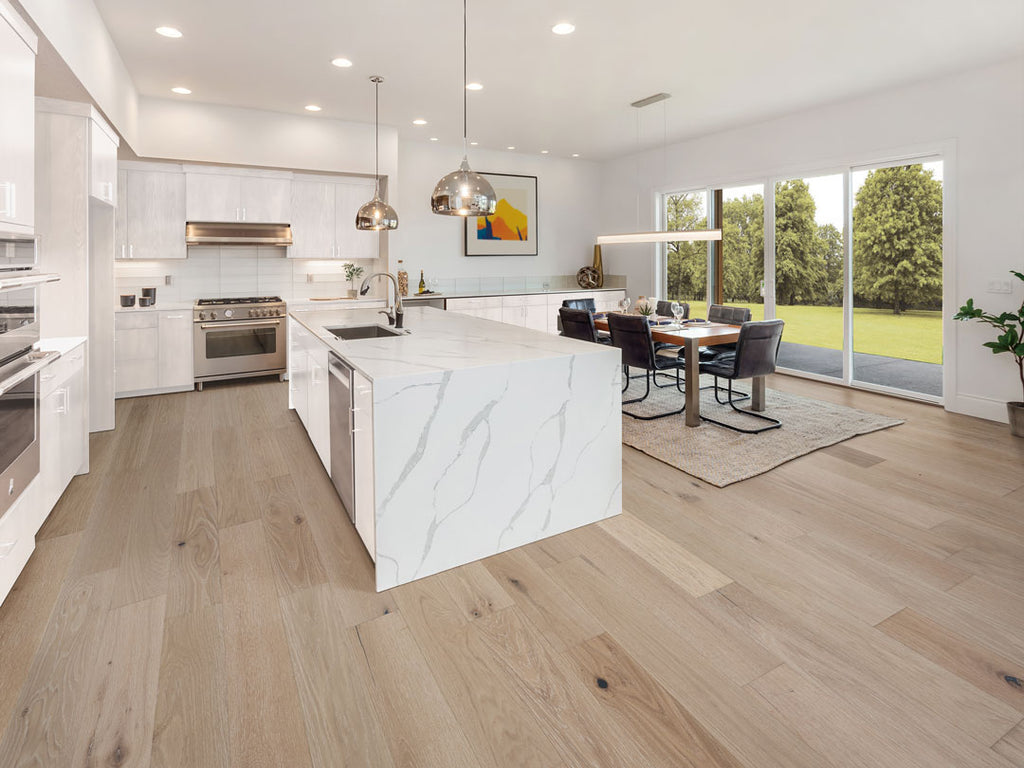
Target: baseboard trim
981,407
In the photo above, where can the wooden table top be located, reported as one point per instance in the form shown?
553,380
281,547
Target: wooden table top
704,334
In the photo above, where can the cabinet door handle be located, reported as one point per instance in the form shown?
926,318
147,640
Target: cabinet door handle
8,190
243,214
174,317
63,407
131,251
122,250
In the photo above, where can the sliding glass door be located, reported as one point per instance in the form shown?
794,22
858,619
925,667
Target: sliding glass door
809,273
743,248
897,276
686,263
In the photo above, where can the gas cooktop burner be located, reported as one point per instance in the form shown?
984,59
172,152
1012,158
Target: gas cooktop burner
246,300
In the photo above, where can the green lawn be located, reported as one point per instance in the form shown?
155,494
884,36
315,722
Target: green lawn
915,335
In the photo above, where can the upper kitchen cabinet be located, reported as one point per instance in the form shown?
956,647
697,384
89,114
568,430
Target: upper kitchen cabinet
151,217
254,196
324,219
17,122
103,160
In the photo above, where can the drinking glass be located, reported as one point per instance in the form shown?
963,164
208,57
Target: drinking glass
624,304
677,311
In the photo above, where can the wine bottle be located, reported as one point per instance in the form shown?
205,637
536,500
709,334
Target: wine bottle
423,285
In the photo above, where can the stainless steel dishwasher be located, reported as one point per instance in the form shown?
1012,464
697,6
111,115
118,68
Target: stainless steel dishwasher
342,454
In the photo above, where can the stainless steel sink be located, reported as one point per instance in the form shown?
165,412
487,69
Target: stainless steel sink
352,332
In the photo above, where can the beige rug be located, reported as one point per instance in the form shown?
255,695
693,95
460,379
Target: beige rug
721,456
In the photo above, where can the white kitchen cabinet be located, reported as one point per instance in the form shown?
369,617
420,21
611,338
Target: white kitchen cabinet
253,197
318,399
16,540
484,307
175,350
363,460
103,164
313,235
17,122
528,311
152,352
352,243
63,431
298,370
151,216
324,219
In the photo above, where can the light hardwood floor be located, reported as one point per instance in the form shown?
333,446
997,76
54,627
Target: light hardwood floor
200,599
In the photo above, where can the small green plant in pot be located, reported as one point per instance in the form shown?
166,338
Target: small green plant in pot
352,273
1010,339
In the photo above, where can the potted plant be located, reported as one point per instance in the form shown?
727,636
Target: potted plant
352,273
645,306
1010,339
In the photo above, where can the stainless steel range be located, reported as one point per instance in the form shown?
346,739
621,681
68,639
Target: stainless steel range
235,338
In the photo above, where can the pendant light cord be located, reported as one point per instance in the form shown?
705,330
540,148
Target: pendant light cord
465,76
376,135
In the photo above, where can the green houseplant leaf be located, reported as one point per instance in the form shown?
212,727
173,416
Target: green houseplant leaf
1009,324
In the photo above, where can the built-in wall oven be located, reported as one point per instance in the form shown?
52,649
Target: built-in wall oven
19,382
238,337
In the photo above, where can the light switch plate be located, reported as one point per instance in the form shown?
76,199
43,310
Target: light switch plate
999,286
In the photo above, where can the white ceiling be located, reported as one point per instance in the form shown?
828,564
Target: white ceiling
725,62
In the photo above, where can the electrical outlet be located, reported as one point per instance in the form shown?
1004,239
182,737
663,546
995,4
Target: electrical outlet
999,286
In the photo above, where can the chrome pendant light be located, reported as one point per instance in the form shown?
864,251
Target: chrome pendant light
464,192
376,214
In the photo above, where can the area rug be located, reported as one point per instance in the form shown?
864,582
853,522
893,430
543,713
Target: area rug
721,456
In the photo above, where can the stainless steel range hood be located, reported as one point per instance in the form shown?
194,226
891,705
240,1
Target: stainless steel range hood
236,233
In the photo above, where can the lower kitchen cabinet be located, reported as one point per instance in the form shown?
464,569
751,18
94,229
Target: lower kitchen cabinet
152,352
63,432
538,311
17,539
309,388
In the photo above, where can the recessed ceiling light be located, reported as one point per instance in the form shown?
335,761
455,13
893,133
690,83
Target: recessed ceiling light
509,147
474,87
575,154
168,31
543,151
341,62
563,28
433,138
473,143
183,91
419,121
312,108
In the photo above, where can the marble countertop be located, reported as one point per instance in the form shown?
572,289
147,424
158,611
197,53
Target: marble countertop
439,341
486,294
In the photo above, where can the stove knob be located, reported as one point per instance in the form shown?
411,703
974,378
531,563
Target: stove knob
202,315
213,315
266,312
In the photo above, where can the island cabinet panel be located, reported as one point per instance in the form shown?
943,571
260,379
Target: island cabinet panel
152,352
318,401
362,396
298,371
17,540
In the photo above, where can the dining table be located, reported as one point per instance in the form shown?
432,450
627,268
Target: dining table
691,336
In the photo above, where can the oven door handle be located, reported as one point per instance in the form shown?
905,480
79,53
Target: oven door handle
260,324
28,371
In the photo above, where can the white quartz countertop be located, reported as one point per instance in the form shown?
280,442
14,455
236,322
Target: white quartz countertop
316,305
439,341
486,294
167,306
61,344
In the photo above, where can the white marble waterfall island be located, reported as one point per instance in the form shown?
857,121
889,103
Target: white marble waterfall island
482,437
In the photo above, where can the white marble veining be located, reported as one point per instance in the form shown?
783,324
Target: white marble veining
487,436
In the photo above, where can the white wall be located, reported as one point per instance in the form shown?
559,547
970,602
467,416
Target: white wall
567,212
77,32
976,118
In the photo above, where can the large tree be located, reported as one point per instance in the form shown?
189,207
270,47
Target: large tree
830,250
743,248
687,261
897,238
799,266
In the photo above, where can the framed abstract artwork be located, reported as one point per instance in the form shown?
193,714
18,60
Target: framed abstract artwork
512,229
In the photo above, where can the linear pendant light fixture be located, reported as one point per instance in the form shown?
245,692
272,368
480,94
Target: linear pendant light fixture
464,192
376,214
671,236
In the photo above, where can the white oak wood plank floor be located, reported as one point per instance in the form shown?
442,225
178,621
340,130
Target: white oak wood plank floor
201,600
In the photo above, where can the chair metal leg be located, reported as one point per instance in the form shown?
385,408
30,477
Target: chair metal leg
774,423
647,392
